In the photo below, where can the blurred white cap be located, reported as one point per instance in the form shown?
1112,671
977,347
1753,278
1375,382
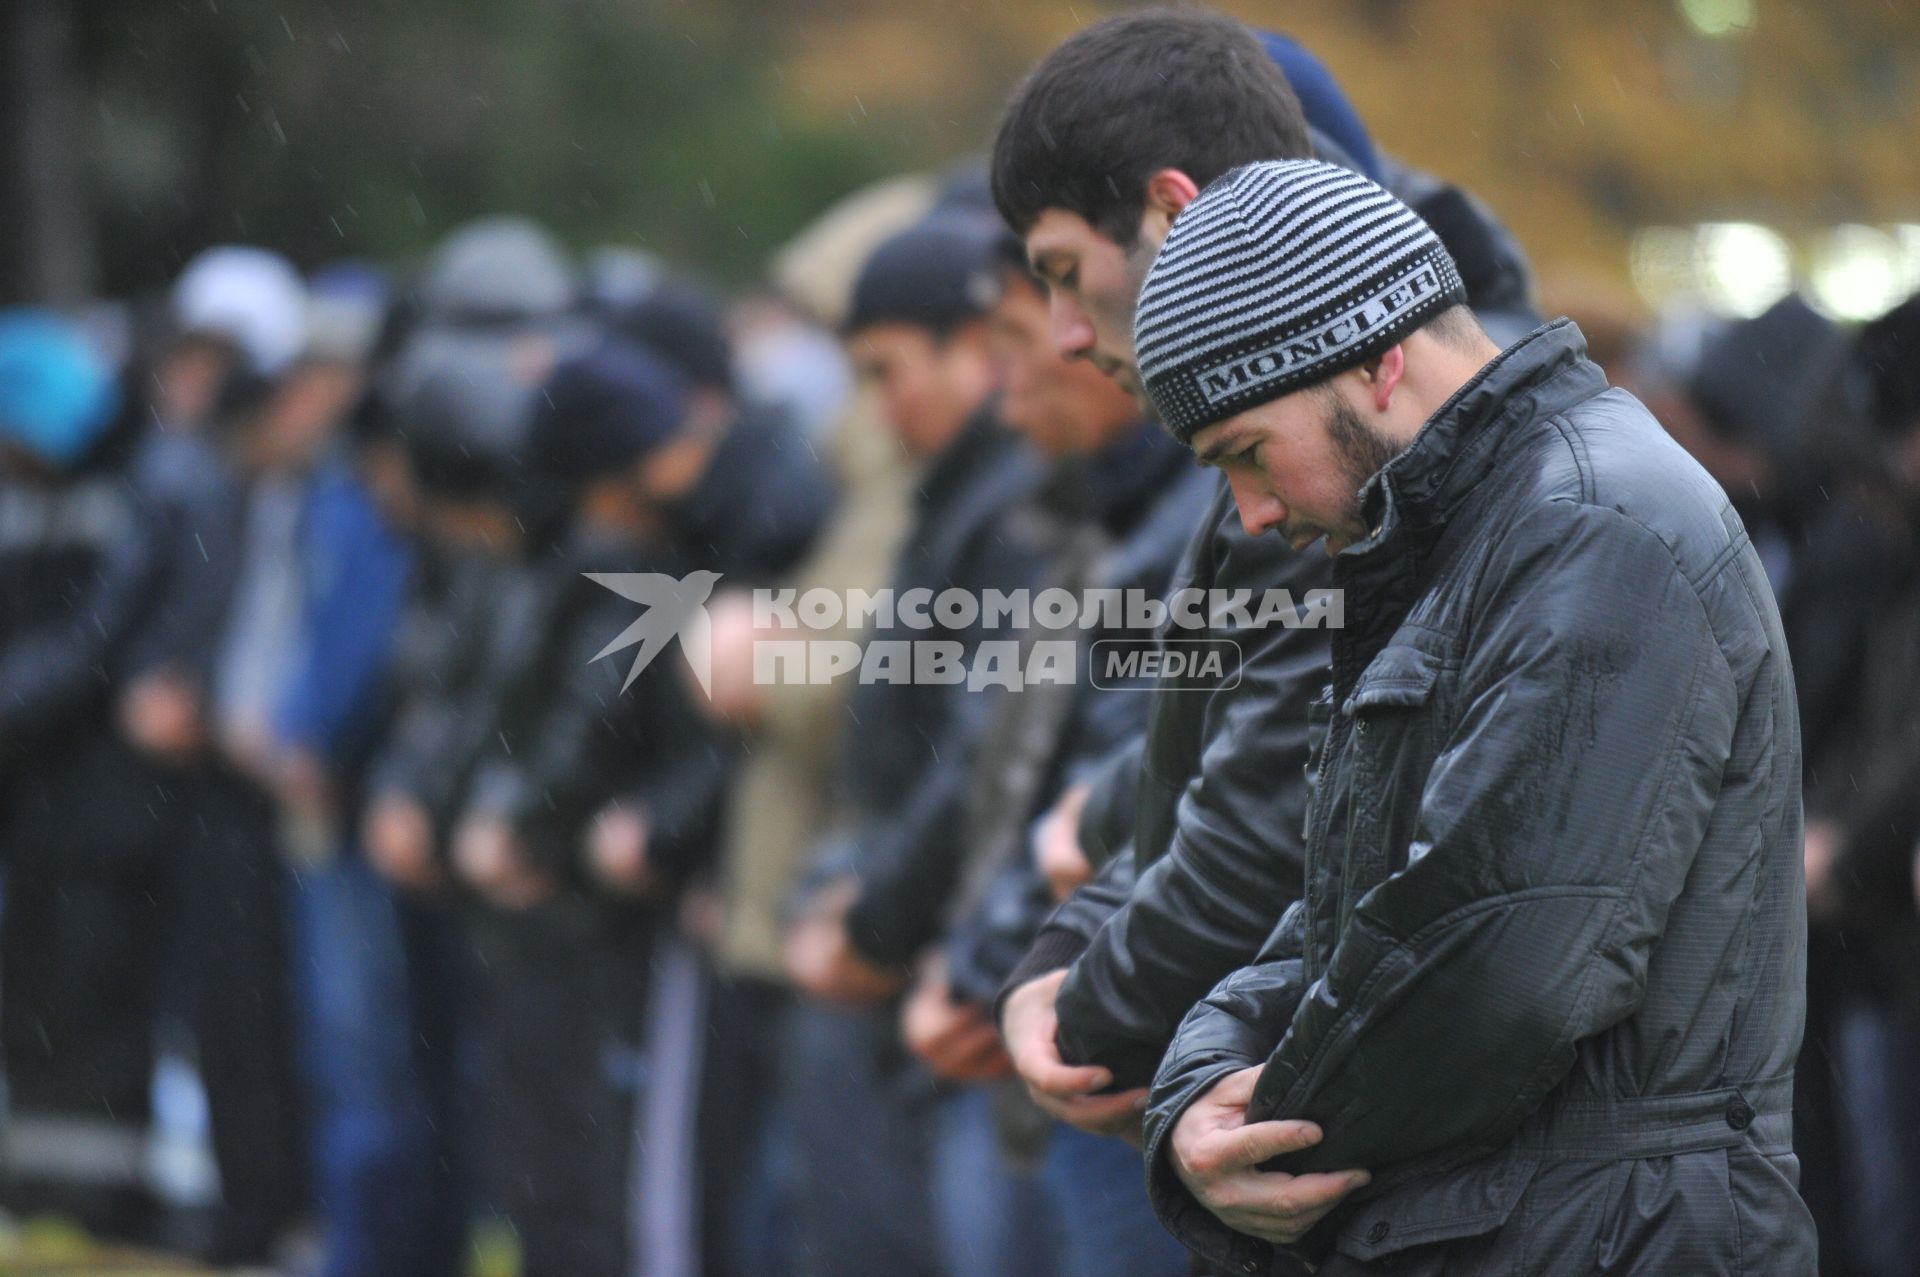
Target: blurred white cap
249,297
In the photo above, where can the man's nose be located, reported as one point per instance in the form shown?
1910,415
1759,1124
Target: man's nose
1072,332
1260,510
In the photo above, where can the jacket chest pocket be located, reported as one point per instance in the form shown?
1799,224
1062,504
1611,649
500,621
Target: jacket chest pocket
1395,728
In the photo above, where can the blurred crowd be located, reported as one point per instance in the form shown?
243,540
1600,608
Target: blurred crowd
328,780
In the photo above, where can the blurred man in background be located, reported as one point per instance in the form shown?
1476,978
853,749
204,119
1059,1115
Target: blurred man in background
1119,504
917,332
782,800
85,850
1851,610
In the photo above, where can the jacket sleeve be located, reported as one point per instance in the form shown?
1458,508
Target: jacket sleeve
55,669
1234,861
197,536
1229,1030
1556,827
988,942
908,864
1106,822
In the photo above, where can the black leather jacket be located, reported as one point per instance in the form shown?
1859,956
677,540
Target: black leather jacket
1215,796
909,746
1128,514
1546,982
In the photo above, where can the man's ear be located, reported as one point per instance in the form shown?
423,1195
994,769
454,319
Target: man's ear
1168,192
1382,375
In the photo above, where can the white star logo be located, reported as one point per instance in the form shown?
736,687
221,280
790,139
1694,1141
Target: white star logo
676,607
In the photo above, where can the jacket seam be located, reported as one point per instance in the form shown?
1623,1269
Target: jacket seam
1562,425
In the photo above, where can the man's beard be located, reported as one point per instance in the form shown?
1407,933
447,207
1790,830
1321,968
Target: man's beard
1361,451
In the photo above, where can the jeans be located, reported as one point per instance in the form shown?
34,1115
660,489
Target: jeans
993,1218
381,1195
859,1112
1107,1229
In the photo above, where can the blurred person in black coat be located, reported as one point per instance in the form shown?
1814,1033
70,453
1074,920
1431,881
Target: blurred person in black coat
1852,615
86,824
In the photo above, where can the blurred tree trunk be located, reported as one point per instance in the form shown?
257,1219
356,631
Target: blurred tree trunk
44,204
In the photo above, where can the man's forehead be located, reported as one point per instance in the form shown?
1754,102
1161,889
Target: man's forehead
1057,230
1209,442
1260,421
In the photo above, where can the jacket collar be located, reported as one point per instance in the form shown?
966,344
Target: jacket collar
1116,486
1543,373
980,443
1410,501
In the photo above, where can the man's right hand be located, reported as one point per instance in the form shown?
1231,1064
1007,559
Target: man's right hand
399,839
1822,842
493,861
821,959
1064,1091
160,714
1057,848
1218,1154
617,846
956,1040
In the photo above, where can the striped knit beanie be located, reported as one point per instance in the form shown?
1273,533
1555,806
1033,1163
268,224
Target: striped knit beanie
1280,275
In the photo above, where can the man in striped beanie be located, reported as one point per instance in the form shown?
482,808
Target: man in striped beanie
1539,1009
1282,277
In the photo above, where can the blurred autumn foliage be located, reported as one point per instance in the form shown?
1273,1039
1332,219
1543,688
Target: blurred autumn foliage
144,129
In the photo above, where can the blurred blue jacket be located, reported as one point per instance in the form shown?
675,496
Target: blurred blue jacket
355,571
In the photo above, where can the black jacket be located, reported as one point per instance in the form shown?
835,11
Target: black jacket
82,561
569,736
1206,807
438,728
1126,515
198,509
756,509
1546,983
909,746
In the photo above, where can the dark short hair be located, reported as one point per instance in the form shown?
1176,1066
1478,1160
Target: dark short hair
1130,95
1457,326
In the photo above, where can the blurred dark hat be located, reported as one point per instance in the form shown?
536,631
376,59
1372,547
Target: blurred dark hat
1887,352
1755,377
685,323
603,410
937,273
460,408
